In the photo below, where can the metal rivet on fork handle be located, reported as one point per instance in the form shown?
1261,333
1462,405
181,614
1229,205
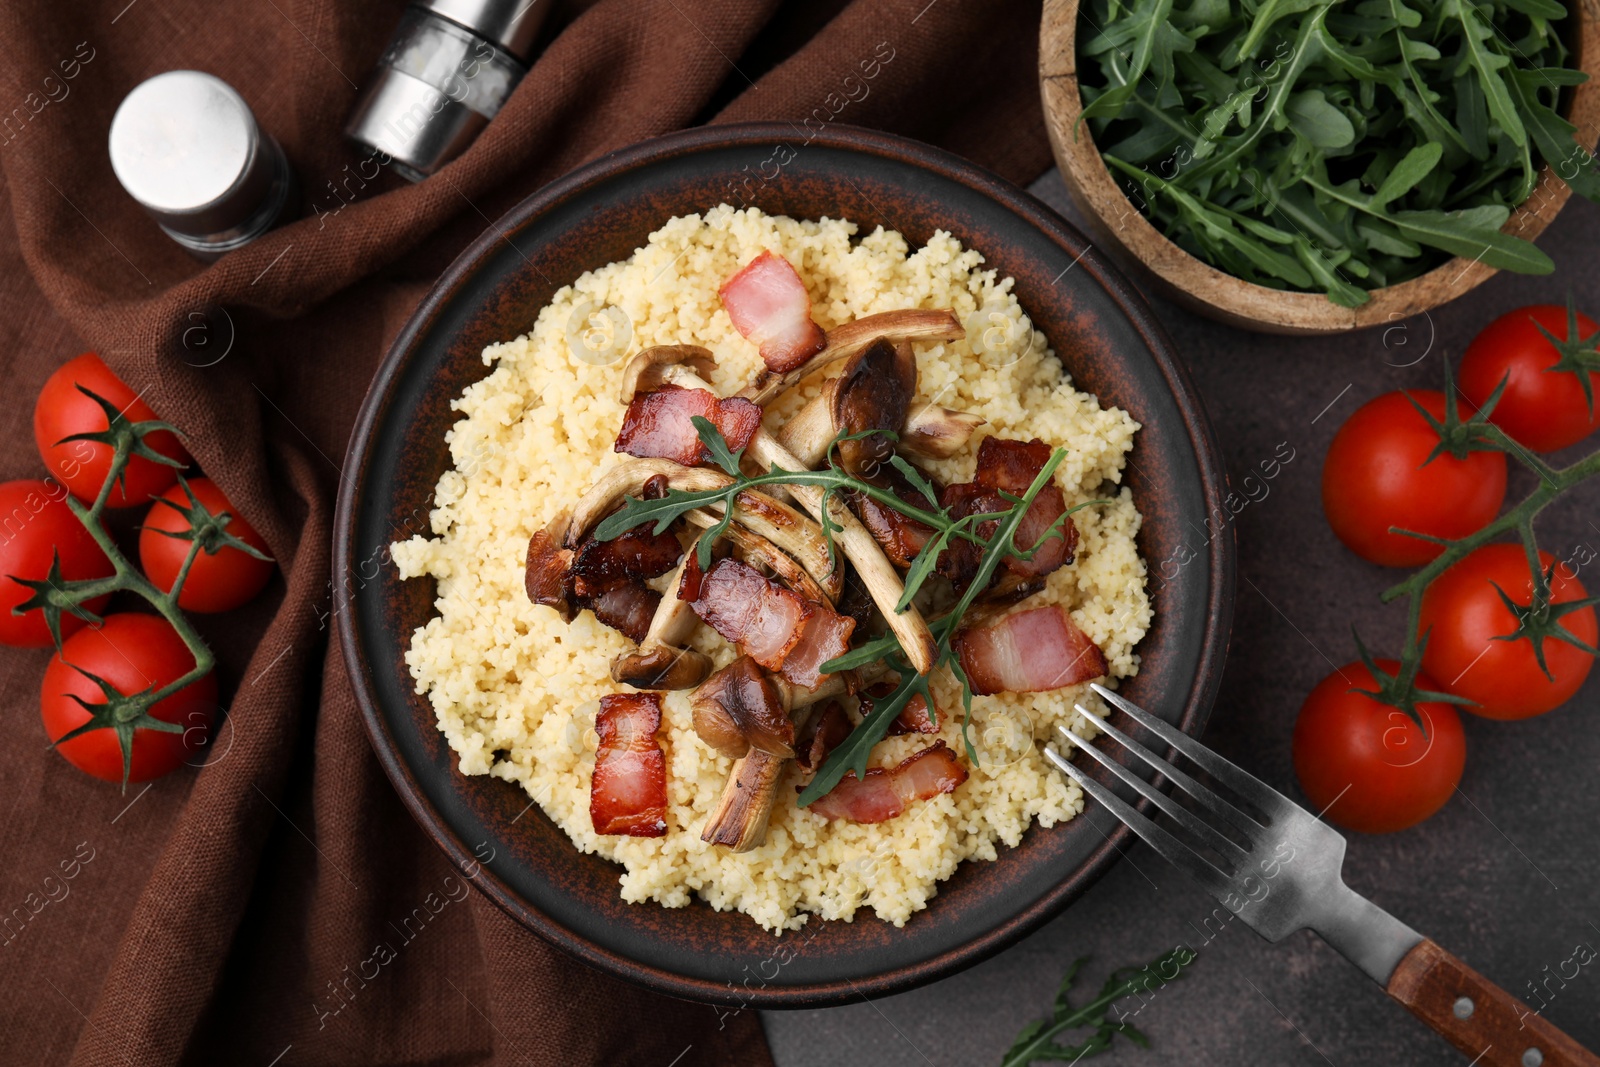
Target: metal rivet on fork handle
1463,1007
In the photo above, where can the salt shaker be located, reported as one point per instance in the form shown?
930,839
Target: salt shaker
186,146
447,70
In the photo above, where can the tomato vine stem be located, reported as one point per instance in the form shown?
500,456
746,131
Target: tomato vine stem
1552,483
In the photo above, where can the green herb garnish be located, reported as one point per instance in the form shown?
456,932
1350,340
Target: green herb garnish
853,752
1317,146
1038,1040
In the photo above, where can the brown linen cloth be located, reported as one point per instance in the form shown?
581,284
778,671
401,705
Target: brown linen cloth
232,914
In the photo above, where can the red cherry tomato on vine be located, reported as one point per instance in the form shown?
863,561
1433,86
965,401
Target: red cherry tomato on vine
219,582
35,526
1464,617
1542,409
1377,475
1368,766
62,411
133,652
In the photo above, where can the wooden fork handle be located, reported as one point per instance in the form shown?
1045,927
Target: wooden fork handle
1477,1016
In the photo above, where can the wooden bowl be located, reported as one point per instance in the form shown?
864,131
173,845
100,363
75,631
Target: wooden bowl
1204,289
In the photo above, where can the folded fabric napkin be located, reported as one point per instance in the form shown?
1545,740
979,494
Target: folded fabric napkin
235,913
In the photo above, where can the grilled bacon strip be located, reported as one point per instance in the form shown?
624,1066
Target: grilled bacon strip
1010,465
769,305
760,616
636,554
914,717
607,577
885,793
900,536
821,735
628,794
773,625
1028,652
658,424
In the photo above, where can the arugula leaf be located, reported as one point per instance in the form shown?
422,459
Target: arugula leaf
717,445
1318,121
1312,145
1474,233
1417,165
1488,64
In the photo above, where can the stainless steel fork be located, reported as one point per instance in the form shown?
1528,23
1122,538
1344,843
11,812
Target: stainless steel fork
1278,868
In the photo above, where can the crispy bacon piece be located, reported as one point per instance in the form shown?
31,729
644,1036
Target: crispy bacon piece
913,718
885,793
549,575
760,616
1010,465
626,607
607,577
635,554
658,424
775,626
900,536
738,708
1028,652
769,305
826,635
821,735
628,794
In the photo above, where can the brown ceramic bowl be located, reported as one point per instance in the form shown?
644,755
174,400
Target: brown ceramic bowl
1204,289
1094,319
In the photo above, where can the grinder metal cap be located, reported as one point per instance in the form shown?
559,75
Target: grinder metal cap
185,145
511,24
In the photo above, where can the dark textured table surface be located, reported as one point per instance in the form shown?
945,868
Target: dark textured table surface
1504,876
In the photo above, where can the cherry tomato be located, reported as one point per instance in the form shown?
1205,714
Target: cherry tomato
62,411
133,652
35,525
1464,617
1540,409
1377,476
1368,766
219,582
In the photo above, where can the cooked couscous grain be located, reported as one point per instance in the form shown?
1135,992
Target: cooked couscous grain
514,686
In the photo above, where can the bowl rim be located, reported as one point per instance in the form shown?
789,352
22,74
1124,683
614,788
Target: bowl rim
1209,291
1220,556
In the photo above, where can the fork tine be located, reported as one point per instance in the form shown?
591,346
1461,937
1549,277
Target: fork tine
1174,851
1239,819
1272,803
1183,816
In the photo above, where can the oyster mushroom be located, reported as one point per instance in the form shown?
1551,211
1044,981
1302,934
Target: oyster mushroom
633,478
652,368
661,661
934,432
909,324
877,573
875,391
739,820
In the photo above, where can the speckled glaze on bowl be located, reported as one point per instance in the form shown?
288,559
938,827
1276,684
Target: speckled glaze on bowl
1107,339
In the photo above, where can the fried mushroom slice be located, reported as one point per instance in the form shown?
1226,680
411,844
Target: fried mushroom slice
739,708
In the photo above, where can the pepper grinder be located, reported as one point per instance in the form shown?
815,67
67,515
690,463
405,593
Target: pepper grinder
185,145
447,70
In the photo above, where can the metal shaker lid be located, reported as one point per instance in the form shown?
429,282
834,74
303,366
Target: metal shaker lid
186,146
511,24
